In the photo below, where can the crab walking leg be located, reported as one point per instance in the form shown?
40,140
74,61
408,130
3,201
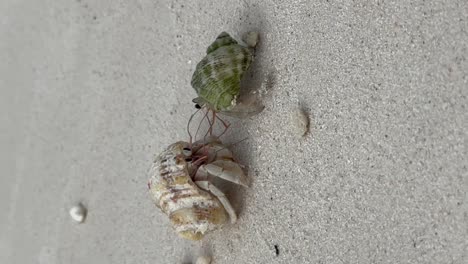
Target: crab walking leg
206,185
244,110
227,170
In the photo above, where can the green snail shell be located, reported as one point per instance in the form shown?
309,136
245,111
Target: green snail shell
218,75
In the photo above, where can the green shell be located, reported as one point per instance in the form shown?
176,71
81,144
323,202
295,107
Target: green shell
218,75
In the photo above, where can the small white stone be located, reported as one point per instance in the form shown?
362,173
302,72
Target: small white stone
78,213
203,260
301,122
251,39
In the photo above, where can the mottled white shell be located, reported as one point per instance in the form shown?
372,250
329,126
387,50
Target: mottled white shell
192,211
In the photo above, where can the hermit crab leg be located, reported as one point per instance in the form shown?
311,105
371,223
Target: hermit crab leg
226,170
210,129
243,110
206,185
212,124
226,125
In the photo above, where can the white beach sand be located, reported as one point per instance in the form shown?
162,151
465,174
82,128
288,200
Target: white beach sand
90,91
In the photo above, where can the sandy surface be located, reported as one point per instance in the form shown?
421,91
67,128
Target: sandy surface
91,90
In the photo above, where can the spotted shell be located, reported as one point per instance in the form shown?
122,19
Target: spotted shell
218,75
192,211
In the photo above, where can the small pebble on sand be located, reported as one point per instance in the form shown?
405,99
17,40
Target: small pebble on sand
301,122
203,260
250,38
78,213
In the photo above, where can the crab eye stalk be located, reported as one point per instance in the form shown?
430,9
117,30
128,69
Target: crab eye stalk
187,152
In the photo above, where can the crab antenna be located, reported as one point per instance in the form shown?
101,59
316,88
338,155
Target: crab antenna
201,121
188,126
210,129
230,145
214,121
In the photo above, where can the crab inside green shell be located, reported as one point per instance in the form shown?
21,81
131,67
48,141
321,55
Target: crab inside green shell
218,75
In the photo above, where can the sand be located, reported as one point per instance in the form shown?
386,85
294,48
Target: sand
91,91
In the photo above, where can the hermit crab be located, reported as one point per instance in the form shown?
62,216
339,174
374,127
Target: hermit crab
217,77
181,185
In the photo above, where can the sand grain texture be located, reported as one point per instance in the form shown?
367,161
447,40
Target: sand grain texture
91,90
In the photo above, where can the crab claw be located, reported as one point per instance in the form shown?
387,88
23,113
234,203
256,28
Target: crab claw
227,170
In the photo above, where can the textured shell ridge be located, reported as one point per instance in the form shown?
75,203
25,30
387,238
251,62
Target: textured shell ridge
223,39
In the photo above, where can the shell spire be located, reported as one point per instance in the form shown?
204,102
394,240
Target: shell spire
223,39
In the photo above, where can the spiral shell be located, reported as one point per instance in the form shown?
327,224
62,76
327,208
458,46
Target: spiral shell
218,75
192,211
